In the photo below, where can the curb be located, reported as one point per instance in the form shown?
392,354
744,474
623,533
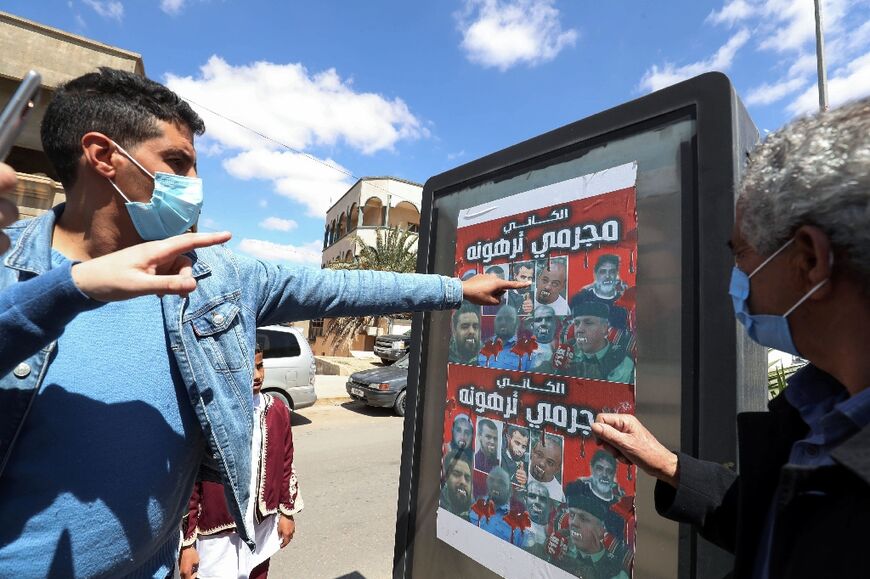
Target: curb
333,401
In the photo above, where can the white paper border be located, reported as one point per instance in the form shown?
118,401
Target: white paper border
613,179
499,556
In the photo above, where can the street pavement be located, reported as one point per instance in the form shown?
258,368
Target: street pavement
330,389
347,459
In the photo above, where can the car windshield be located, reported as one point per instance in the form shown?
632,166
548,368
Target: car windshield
402,362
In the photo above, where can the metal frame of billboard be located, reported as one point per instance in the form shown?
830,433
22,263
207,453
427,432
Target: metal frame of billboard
710,355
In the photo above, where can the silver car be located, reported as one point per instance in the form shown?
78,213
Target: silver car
289,365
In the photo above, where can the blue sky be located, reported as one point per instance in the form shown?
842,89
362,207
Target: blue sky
411,89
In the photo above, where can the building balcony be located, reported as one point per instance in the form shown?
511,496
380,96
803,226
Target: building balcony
35,194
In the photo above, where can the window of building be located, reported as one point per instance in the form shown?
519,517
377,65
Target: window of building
315,329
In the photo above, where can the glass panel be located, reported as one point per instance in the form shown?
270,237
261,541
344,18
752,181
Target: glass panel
278,344
659,203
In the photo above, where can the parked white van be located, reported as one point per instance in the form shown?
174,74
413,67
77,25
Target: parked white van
289,365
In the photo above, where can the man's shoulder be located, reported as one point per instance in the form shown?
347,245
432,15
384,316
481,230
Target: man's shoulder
221,260
37,226
19,226
586,293
215,254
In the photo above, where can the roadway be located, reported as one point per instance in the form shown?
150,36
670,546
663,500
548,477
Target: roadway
347,460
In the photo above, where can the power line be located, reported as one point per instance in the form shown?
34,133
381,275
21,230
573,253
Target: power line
293,149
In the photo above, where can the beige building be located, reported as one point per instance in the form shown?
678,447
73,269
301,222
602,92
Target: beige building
58,56
372,204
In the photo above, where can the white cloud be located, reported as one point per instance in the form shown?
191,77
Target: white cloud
306,254
172,6
787,27
504,33
803,65
208,223
770,93
782,25
297,108
733,12
111,9
295,176
846,84
263,203
278,224
659,77
791,24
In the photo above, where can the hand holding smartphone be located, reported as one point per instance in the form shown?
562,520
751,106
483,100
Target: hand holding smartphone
12,120
19,107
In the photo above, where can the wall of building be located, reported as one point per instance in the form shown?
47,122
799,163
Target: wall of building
59,57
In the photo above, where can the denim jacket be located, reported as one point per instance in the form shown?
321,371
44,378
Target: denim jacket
212,334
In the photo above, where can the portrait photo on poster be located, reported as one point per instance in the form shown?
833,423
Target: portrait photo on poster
526,378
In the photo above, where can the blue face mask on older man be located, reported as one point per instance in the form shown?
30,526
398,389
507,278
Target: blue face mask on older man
174,207
768,330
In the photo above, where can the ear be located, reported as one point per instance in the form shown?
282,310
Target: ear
97,152
812,257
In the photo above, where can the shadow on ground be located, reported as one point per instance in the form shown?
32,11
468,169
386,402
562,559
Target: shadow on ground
366,410
297,419
352,575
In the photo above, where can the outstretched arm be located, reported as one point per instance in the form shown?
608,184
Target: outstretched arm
285,294
701,493
35,311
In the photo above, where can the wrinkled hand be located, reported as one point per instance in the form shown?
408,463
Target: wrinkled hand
188,562
630,441
286,529
8,211
156,267
487,289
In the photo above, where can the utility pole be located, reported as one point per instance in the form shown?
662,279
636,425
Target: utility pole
820,59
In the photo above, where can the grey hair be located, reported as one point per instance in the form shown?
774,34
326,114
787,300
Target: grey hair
813,171
499,472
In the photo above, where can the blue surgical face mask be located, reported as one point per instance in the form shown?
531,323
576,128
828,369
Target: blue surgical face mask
174,206
768,330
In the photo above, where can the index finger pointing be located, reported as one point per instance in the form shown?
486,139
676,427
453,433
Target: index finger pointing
513,284
188,241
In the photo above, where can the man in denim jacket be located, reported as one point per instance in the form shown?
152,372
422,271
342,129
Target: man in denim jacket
103,430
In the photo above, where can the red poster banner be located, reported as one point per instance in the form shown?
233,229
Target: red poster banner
524,484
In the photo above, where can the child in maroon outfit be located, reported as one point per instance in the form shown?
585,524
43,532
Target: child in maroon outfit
211,547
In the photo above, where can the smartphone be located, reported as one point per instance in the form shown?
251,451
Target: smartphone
19,107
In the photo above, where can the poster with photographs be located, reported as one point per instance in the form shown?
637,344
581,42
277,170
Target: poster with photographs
525,489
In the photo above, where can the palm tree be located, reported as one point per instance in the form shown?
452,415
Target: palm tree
394,250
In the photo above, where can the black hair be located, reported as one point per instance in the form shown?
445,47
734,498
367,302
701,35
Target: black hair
485,423
454,456
606,258
122,105
602,454
518,265
466,308
514,428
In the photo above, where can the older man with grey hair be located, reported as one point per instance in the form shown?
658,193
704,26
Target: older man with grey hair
801,284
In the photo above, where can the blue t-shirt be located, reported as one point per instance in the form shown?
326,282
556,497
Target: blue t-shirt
100,476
